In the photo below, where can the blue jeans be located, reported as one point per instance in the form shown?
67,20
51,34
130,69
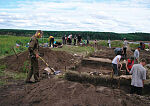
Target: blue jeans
115,69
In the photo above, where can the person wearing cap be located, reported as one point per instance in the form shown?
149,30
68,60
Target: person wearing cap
136,55
138,76
129,64
34,55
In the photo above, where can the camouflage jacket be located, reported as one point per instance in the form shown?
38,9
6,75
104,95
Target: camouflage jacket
33,46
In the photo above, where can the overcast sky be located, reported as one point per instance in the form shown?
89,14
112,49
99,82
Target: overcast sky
120,16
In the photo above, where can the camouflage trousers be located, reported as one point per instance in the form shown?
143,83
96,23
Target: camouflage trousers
34,70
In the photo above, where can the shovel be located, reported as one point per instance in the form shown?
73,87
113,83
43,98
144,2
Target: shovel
48,68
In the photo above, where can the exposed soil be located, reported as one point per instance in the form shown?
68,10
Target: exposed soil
59,92
56,59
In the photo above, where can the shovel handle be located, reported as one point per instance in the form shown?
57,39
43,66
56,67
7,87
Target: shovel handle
44,61
46,64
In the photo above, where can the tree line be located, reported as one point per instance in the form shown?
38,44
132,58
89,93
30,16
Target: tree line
138,36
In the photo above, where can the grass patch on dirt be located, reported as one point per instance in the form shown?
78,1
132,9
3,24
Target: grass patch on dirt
7,76
2,82
15,75
133,46
2,68
76,49
117,44
19,76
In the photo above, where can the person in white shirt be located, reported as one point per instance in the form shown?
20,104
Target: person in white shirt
109,43
125,45
70,39
136,55
138,76
115,63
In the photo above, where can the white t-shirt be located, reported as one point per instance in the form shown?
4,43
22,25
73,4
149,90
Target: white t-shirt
125,43
136,53
70,36
115,59
138,75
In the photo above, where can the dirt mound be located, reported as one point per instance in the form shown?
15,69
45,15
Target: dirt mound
56,59
54,92
13,63
146,55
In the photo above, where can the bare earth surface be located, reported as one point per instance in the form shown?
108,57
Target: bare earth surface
59,92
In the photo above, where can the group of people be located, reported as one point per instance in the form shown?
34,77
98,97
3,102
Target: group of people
134,67
68,39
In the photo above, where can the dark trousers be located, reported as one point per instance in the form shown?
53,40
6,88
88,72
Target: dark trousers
34,70
74,41
64,41
115,69
108,44
125,52
69,41
51,42
136,90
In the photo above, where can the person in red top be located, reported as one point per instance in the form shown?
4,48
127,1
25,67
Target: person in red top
129,64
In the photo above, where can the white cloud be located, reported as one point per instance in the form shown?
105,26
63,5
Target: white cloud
126,16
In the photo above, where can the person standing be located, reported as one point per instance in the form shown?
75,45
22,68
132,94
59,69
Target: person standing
88,38
79,39
75,39
70,39
63,40
109,43
34,55
95,44
136,55
125,45
116,63
138,76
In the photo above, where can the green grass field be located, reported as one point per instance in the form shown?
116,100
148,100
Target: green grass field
9,42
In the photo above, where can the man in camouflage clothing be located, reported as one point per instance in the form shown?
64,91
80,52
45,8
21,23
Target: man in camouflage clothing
34,55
